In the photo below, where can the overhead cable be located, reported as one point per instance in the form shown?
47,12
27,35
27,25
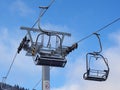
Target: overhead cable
37,84
11,65
44,9
103,28
8,72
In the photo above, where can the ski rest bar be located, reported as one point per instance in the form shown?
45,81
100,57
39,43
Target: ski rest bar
50,61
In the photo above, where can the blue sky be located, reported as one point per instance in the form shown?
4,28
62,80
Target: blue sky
78,17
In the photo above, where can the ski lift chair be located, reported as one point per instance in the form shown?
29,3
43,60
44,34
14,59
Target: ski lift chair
93,74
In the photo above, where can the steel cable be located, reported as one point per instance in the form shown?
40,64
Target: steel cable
103,28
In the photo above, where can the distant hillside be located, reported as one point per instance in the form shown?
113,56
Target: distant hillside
9,87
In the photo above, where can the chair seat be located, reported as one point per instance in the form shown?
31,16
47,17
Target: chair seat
51,61
95,78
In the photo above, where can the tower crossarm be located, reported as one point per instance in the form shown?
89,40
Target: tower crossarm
51,32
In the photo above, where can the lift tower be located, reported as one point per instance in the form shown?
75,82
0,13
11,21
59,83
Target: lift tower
46,54
46,47
52,53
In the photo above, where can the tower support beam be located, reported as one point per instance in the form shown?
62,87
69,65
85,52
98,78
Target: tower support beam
45,78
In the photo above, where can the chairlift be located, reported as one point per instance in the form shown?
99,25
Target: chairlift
93,74
44,51
96,74
55,57
52,54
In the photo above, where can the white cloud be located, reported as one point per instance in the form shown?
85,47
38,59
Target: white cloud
23,67
4,40
69,87
21,8
115,37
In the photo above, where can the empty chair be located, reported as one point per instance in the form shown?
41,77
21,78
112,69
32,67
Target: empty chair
95,74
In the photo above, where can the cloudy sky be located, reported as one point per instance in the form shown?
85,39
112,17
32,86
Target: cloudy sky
78,17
